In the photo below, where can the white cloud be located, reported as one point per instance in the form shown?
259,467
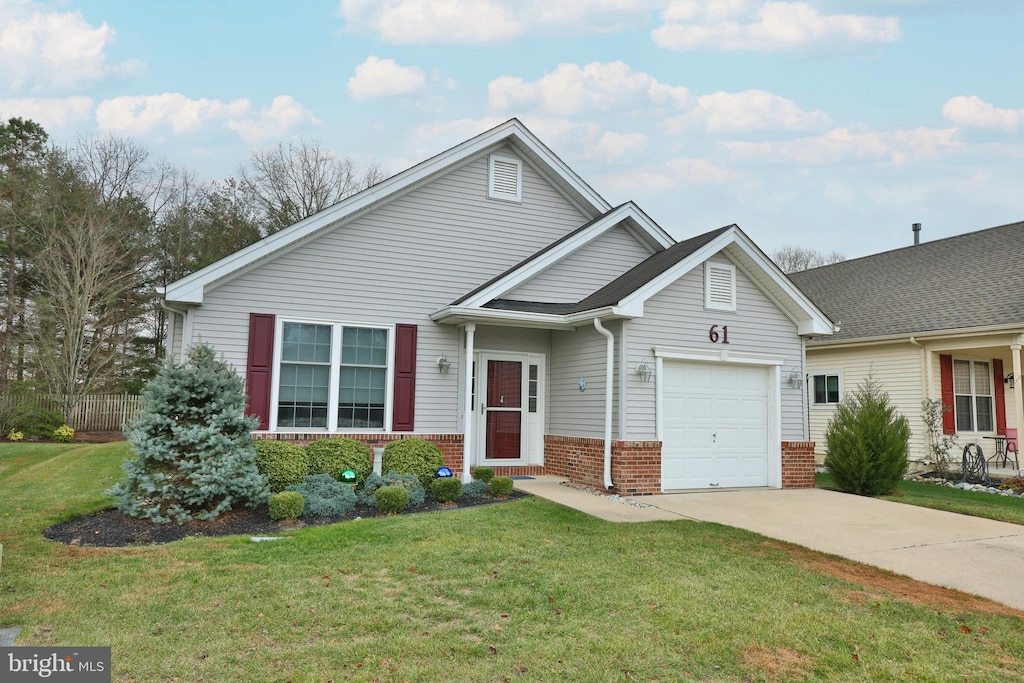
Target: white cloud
142,114
376,78
639,182
841,144
766,26
485,21
283,114
746,111
613,147
974,111
42,50
49,112
700,172
571,89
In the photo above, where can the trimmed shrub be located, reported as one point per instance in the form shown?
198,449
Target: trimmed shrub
334,455
501,487
15,435
417,494
484,474
64,434
391,499
446,489
39,422
193,458
283,464
324,496
286,505
476,489
417,457
867,442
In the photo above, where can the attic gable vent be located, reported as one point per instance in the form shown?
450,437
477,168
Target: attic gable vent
505,178
719,287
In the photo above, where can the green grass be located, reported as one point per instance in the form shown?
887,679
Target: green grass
522,591
975,503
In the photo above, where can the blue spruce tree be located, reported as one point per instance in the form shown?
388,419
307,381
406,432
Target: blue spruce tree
193,455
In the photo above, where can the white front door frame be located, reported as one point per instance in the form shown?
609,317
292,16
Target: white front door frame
528,425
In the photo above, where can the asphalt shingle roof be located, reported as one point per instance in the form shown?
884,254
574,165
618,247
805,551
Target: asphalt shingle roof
967,281
622,286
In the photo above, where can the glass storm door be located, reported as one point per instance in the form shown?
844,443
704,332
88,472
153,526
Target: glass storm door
503,410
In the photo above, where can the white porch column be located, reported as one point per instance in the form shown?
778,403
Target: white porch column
469,408
1018,389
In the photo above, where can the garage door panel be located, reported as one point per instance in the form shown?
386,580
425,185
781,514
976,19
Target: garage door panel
715,425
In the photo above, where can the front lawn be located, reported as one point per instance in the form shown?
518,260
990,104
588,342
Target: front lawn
522,591
975,503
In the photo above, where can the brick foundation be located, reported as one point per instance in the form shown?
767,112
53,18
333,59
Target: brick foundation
636,467
797,464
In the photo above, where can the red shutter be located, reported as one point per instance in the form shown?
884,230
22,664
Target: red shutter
260,367
405,378
1000,392
946,372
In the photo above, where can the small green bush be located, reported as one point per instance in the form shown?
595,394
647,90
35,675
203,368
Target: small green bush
417,494
476,489
391,499
446,489
1015,484
64,434
286,505
283,464
867,442
501,487
324,496
39,422
334,455
484,474
418,457
15,435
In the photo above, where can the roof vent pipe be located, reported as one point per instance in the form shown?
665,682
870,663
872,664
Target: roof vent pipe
917,234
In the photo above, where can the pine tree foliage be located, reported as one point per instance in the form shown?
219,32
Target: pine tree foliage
867,441
193,455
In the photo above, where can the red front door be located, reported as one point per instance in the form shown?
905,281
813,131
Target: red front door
504,409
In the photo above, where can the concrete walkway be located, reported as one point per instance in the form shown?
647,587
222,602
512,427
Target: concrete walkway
971,554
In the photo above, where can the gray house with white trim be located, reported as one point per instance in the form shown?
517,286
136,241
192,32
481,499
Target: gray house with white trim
491,301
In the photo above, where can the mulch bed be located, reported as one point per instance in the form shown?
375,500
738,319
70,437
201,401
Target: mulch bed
110,528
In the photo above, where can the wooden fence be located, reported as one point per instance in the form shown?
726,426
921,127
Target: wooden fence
94,413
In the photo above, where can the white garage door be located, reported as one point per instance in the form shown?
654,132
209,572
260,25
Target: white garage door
715,431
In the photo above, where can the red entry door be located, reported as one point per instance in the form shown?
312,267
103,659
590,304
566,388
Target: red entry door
504,409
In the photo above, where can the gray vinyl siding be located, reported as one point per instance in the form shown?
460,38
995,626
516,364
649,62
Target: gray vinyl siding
581,354
398,264
676,317
585,271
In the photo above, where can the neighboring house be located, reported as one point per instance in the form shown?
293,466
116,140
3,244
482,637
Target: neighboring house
941,320
491,301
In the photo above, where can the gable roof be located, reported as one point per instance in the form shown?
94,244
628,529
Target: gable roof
974,280
191,289
625,296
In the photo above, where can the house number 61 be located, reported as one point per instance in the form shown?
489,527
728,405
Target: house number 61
715,336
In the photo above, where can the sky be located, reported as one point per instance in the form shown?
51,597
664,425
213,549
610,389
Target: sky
827,124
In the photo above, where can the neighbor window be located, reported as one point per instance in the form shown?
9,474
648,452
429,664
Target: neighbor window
972,389
826,389
316,357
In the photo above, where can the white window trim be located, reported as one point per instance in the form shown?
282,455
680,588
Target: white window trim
708,303
335,381
974,396
826,373
518,163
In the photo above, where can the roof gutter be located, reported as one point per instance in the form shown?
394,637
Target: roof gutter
931,334
609,378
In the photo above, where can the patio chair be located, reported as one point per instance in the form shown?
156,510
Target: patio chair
1011,447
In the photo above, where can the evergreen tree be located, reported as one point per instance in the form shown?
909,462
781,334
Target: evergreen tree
867,441
193,455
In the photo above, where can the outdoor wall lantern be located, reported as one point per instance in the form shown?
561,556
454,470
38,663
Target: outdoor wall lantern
1009,380
643,369
444,472
795,379
443,364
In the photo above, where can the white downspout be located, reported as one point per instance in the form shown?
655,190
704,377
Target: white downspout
169,342
609,377
470,409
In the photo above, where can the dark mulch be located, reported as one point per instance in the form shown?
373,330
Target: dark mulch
112,529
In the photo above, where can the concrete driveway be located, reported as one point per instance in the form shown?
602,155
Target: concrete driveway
971,554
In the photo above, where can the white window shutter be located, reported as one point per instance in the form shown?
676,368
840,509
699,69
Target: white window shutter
719,287
506,178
